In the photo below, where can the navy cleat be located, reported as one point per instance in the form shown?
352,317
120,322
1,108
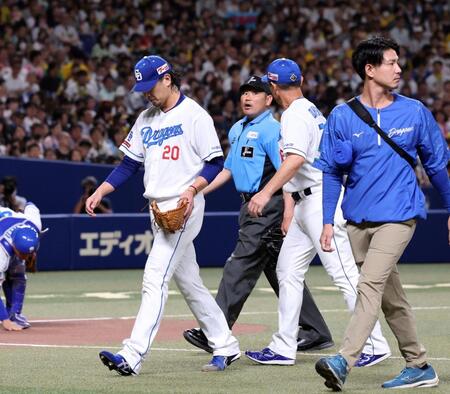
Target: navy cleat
196,337
269,357
334,369
368,360
115,362
413,377
304,345
20,320
219,363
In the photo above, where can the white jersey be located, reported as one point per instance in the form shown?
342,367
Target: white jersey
173,146
301,130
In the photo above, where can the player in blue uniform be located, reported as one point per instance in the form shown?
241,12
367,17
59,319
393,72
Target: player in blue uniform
382,203
253,159
15,281
19,240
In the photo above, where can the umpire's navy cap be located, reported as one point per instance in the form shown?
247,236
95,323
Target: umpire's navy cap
148,71
283,71
255,83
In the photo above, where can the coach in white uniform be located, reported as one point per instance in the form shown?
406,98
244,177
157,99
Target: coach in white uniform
301,130
176,142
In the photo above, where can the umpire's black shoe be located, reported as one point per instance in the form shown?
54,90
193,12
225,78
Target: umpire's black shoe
196,337
305,344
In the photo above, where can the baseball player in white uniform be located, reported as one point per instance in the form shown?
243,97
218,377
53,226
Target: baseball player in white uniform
301,131
176,141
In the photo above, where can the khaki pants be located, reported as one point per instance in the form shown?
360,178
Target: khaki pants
377,247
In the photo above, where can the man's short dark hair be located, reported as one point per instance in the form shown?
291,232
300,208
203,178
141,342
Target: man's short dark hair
371,51
176,78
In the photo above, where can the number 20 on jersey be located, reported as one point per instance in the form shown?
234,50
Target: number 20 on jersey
171,152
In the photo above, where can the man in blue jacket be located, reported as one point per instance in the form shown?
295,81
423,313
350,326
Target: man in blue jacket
253,159
382,203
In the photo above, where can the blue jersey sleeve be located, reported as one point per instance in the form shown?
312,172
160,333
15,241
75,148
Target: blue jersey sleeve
332,184
212,168
432,148
441,182
333,144
123,171
331,134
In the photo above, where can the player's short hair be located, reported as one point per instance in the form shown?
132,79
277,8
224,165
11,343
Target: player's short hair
285,86
176,78
371,51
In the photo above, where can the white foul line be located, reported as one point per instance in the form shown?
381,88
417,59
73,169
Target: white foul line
189,315
84,319
123,295
162,349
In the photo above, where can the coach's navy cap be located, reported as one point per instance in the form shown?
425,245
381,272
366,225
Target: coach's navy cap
255,83
283,71
148,71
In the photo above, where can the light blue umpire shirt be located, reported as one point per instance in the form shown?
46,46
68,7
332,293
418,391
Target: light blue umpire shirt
254,154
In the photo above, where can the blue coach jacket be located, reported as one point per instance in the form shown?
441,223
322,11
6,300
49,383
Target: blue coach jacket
381,186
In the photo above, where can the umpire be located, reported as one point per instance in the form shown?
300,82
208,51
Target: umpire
253,159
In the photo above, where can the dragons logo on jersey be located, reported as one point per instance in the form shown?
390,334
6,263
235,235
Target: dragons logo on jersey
152,137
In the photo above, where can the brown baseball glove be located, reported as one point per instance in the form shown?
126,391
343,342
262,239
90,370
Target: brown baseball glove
172,220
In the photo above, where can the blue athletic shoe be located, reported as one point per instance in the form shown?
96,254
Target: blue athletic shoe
413,377
115,362
219,363
269,357
367,360
334,369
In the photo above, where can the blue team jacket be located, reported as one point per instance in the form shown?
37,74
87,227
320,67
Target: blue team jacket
381,185
254,150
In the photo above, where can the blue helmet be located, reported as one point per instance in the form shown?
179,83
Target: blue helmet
25,239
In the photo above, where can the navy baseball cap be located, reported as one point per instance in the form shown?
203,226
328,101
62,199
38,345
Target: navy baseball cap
254,83
283,71
148,71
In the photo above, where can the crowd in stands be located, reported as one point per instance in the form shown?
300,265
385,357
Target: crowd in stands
66,66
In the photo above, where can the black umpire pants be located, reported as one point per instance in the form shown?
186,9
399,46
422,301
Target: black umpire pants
249,259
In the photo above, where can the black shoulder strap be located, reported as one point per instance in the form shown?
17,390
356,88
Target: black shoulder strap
362,112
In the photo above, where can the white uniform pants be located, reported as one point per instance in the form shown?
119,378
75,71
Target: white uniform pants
300,246
174,255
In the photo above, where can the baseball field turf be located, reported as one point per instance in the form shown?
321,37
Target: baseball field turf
74,315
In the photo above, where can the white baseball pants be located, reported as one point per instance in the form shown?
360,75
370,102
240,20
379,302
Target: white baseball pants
300,246
174,255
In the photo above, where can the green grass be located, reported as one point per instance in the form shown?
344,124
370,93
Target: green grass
57,370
